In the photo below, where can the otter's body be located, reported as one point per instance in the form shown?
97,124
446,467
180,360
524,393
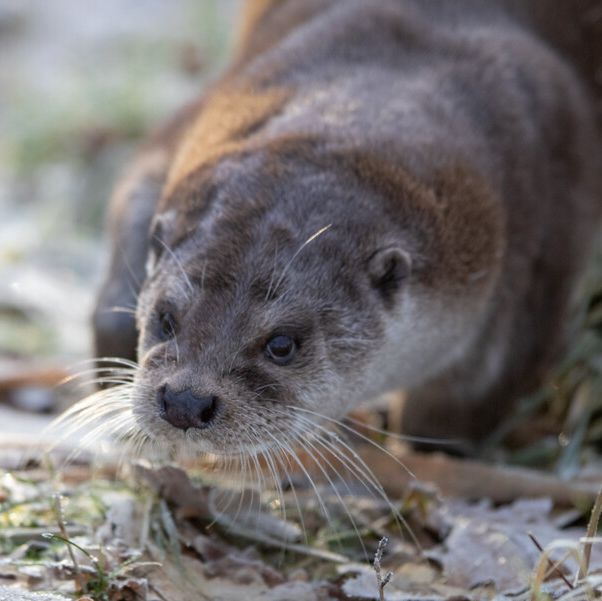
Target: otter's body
396,193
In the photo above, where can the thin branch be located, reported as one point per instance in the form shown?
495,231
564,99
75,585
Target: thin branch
381,580
554,566
592,529
63,530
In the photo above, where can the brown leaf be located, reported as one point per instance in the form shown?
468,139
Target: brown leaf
488,545
133,589
174,485
471,479
242,570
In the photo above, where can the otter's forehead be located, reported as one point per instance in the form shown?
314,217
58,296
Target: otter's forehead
249,268
256,210
272,257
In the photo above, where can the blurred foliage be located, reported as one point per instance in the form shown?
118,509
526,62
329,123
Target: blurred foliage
80,84
103,88
560,425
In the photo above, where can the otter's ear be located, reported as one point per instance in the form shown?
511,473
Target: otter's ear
156,240
387,268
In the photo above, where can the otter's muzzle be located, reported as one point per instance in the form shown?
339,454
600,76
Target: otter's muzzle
183,409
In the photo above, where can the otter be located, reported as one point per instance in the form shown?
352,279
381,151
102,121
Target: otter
376,195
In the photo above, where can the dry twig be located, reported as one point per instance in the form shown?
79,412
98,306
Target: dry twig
63,530
381,580
592,529
554,566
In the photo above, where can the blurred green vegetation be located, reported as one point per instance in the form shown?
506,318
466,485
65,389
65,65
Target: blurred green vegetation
80,84
560,426
102,92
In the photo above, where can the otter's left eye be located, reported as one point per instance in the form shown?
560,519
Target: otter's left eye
281,349
167,325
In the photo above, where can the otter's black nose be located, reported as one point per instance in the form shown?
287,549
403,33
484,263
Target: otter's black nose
183,410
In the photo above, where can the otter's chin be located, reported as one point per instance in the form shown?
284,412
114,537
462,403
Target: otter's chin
214,440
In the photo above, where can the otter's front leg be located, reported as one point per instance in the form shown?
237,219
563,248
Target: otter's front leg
131,210
442,418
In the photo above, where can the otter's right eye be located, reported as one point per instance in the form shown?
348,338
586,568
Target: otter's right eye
281,349
167,325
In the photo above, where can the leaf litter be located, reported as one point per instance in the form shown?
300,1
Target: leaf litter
154,533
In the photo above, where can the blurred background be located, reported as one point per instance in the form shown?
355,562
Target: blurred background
80,84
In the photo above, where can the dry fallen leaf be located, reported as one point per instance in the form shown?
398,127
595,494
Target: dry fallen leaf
489,545
469,479
191,582
174,485
132,589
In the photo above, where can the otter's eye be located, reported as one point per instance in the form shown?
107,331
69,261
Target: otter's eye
281,349
167,325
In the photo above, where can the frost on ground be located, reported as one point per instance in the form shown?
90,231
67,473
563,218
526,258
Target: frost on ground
148,533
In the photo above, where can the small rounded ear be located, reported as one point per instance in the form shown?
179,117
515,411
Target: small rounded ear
388,267
156,240
155,246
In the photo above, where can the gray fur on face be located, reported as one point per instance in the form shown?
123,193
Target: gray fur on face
231,290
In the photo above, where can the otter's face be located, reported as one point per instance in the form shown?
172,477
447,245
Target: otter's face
259,320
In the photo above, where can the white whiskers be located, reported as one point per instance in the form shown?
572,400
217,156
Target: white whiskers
291,260
269,458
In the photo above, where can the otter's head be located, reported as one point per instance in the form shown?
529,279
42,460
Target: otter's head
267,295
279,289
